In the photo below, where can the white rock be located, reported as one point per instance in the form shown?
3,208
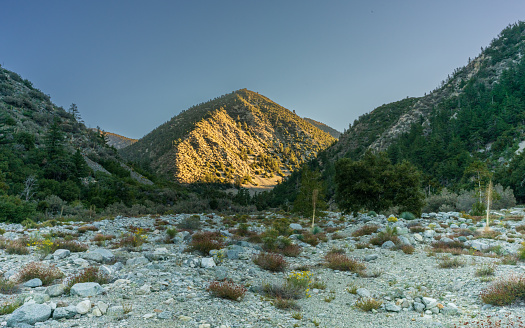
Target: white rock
84,307
207,262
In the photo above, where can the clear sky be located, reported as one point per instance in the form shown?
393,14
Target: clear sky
132,65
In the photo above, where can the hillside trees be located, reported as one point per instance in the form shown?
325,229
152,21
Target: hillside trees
374,183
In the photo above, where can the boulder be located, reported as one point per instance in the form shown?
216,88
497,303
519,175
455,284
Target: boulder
87,289
29,314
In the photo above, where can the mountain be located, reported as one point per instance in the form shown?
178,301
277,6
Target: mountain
116,140
323,127
476,115
241,137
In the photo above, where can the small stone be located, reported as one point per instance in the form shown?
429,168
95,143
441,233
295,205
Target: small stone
296,226
65,312
87,289
96,312
165,315
100,255
61,254
149,315
56,290
36,282
137,261
430,302
84,307
362,292
102,306
388,244
145,289
185,318
417,237
207,262
371,257
391,307
450,309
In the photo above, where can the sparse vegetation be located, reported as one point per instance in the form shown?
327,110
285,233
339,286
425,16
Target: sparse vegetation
270,261
46,273
343,263
368,304
227,290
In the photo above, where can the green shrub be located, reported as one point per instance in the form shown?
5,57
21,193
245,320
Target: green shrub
384,236
191,223
407,216
15,210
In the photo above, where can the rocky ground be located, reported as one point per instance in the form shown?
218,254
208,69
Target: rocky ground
159,284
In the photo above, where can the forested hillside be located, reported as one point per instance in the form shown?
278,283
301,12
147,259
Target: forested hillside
471,124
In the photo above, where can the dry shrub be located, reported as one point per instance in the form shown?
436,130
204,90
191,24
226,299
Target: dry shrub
285,291
407,249
17,247
417,229
384,236
8,287
270,261
71,245
448,263
286,304
365,230
87,228
46,273
342,262
368,304
312,239
227,290
206,241
89,274
504,291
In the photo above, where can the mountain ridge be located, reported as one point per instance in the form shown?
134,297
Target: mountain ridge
241,137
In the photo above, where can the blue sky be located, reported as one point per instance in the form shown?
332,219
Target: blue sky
132,65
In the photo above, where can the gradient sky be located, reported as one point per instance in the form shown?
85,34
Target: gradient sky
132,65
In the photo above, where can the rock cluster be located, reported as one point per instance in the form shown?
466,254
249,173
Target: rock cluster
159,284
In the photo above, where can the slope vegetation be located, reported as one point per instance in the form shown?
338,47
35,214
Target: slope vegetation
242,138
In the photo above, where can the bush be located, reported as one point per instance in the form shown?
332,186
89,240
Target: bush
286,304
448,263
87,228
341,262
407,216
285,291
8,287
270,261
417,229
227,290
407,249
204,242
9,306
384,236
435,201
365,230
17,247
89,274
368,304
15,210
71,245
504,291
312,239
48,274
191,223
486,270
